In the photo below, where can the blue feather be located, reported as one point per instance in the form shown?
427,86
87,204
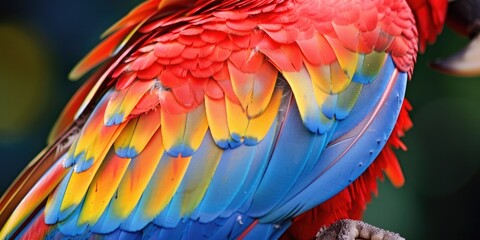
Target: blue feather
108,222
231,172
70,226
362,109
369,97
52,213
201,160
137,220
288,160
359,147
329,107
257,169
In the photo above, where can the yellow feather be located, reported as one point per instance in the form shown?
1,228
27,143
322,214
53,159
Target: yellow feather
146,127
321,76
197,186
137,133
237,120
165,183
340,79
79,182
102,188
217,119
346,58
125,137
302,88
88,134
137,176
122,103
329,78
183,133
259,126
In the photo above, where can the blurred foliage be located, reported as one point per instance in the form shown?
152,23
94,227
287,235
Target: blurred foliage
26,66
40,41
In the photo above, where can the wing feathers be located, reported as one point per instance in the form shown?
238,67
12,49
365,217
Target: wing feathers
217,121
123,102
182,133
137,134
196,127
136,178
33,199
194,184
102,188
366,141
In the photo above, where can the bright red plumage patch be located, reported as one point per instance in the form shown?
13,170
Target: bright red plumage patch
430,16
38,229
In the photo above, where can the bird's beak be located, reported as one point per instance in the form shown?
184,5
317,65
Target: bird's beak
464,18
465,63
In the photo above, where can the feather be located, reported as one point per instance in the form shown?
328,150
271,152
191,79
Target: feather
253,90
194,184
288,161
123,102
305,99
132,185
358,147
160,190
103,188
217,121
136,135
237,122
33,199
183,133
233,168
258,127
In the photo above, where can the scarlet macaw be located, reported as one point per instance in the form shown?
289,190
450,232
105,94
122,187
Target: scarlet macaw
224,119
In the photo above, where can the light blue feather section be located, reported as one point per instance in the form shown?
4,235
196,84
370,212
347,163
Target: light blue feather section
369,97
137,220
346,159
171,216
362,109
108,222
288,160
243,198
226,183
69,226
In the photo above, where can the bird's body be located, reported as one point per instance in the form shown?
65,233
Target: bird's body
225,119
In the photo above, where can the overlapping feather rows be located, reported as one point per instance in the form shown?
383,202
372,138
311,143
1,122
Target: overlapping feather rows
200,105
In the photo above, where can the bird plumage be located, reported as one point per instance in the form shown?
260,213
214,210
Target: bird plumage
220,119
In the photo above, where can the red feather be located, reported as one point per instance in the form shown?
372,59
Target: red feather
430,16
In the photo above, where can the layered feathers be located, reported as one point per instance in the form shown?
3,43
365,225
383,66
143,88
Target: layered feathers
219,119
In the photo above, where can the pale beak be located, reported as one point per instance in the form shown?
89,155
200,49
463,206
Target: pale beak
464,18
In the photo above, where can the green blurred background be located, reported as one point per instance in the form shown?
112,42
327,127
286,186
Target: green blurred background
40,41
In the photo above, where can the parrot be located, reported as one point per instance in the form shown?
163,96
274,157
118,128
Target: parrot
225,119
